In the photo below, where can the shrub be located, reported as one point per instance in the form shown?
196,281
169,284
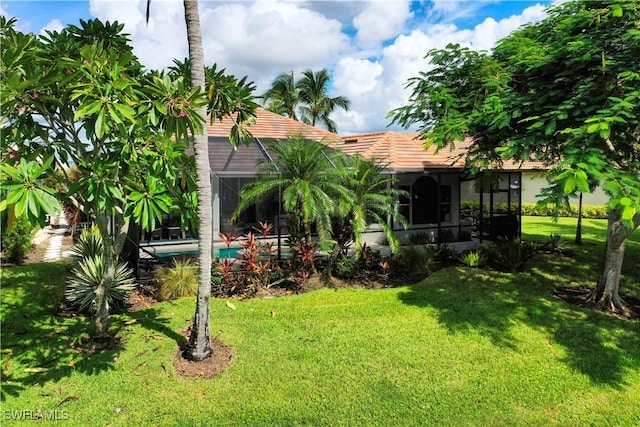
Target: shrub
17,242
83,280
178,280
88,245
554,244
441,253
90,269
345,267
471,209
474,259
412,260
510,255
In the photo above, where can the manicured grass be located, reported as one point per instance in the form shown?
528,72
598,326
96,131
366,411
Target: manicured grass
583,267
464,347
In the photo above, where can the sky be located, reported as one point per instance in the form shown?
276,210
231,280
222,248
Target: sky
371,48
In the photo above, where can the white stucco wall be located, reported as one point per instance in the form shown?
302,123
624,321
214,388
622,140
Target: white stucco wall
532,183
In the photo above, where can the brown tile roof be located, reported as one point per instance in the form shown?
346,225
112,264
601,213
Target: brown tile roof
402,151
270,125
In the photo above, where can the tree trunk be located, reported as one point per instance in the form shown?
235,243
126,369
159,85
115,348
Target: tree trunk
605,295
199,346
101,321
578,240
113,245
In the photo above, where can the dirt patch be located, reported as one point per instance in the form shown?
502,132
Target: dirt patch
93,345
143,296
578,296
208,368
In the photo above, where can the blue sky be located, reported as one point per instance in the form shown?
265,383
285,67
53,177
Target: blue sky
371,48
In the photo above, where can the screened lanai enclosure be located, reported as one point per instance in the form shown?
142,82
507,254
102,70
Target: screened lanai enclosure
443,202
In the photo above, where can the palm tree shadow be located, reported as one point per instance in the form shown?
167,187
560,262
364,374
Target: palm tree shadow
491,304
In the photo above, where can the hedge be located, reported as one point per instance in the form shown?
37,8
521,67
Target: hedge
471,209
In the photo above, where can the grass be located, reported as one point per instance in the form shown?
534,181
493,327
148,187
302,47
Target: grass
464,347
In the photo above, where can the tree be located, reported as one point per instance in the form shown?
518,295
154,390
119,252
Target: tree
282,97
306,99
306,174
316,105
565,91
226,96
372,199
94,107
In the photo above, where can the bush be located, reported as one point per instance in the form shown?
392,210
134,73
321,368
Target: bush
88,245
178,280
554,244
83,280
474,259
412,260
441,253
471,209
17,242
345,267
90,269
510,255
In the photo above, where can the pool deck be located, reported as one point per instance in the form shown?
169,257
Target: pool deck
167,248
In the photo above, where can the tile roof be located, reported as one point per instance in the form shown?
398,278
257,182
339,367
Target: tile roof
401,151
270,125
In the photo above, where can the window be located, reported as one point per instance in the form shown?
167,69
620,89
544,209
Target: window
265,210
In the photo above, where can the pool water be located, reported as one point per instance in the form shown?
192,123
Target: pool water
225,252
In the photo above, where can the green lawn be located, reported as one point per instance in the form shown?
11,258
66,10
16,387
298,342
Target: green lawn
464,347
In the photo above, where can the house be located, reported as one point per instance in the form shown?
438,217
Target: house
437,183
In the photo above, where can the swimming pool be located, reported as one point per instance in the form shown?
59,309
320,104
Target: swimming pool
225,253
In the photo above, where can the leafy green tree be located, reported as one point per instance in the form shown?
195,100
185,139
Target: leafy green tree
372,199
565,91
95,107
309,179
306,100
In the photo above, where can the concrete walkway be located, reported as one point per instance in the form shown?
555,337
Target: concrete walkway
52,236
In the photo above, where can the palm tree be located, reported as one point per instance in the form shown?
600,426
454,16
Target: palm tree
306,100
310,183
282,98
316,105
372,200
199,346
228,97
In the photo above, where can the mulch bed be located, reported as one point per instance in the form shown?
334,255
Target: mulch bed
208,368
577,296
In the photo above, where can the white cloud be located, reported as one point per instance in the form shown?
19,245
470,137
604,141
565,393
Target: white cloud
271,36
371,48
54,25
380,21
487,33
355,77
403,59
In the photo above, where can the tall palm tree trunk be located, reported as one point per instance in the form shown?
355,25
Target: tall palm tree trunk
199,346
